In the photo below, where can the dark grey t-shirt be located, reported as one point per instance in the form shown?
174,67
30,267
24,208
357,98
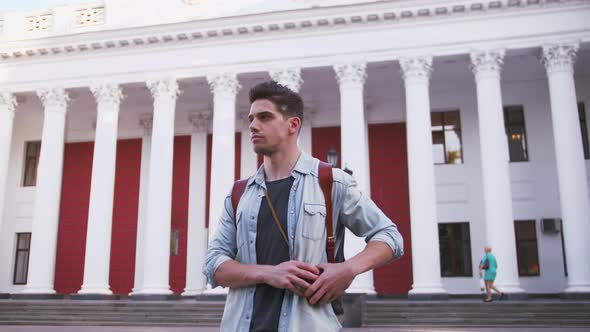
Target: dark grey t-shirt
271,249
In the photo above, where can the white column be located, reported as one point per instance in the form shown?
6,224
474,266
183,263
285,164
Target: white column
7,109
305,143
497,195
291,78
156,260
224,88
355,152
248,158
423,219
102,188
146,144
197,232
48,194
571,171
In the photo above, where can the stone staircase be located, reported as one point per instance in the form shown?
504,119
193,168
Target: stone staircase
371,312
112,312
475,313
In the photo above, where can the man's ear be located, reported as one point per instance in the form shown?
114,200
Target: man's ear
294,124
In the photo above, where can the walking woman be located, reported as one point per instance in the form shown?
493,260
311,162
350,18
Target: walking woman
489,265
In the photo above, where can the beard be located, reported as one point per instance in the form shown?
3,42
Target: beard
264,150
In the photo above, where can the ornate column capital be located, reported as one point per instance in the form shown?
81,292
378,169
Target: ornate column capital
224,83
201,121
164,88
416,67
354,73
559,58
147,122
56,98
107,93
289,77
8,100
487,62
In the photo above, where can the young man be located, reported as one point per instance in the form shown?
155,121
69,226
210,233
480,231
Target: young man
272,256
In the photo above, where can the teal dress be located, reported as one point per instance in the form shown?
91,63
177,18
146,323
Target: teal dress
489,274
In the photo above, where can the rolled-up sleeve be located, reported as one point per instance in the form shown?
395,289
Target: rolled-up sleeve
364,218
223,245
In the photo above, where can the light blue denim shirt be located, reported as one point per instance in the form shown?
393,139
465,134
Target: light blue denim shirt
307,235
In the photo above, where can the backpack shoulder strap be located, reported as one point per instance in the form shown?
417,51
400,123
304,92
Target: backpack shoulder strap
326,179
236,193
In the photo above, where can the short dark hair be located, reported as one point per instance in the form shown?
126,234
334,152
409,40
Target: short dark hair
288,102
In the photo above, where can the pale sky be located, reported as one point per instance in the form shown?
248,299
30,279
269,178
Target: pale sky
10,5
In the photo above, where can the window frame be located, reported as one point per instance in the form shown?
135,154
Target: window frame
521,241
468,260
444,125
583,118
505,110
26,161
17,251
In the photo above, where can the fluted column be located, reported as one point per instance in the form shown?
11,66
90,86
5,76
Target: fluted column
102,187
248,158
48,193
355,152
156,260
197,232
423,219
7,109
146,143
224,88
495,173
571,170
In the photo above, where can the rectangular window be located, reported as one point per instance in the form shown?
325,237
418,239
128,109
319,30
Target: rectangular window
446,137
526,247
21,262
455,249
32,152
516,133
584,127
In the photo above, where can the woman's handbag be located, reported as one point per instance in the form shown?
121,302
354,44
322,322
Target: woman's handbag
486,265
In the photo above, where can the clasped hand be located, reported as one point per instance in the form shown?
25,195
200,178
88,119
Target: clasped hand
321,283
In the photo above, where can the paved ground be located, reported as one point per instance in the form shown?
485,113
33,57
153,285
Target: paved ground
201,329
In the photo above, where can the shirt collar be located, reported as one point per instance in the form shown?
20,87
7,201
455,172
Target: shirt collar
304,165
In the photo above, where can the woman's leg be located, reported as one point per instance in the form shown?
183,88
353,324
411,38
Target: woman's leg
494,287
488,291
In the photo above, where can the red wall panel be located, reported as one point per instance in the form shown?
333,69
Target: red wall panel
125,206
180,188
390,191
73,217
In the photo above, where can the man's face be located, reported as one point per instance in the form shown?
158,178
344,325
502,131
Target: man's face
269,130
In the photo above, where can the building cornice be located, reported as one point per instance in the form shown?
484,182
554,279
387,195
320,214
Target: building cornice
273,24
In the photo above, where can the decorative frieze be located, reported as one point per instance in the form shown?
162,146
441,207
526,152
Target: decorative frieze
89,16
290,78
224,84
54,99
380,15
416,67
559,57
355,73
487,62
39,23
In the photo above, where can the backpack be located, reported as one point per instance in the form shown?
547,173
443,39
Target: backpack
325,178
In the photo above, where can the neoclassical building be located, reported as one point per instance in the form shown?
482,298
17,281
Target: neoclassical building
123,126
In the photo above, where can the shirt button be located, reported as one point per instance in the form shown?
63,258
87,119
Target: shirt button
252,217
284,314
251,241
292,211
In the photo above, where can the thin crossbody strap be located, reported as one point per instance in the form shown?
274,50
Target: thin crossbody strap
276,220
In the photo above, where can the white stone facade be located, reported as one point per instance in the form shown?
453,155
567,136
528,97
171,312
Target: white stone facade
355,64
